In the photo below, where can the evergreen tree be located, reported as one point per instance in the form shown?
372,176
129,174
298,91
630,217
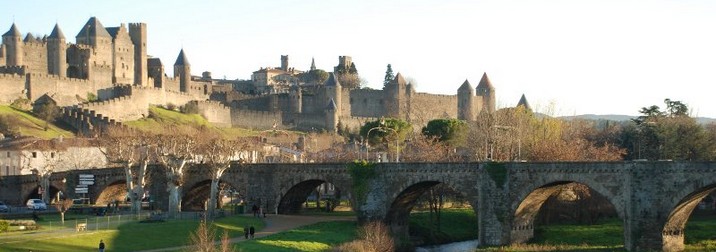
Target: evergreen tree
388,75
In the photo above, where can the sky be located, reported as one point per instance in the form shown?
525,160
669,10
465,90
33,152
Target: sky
567,57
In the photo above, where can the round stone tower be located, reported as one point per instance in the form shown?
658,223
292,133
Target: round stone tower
466,102
57,53
487,92
12,40
333,91
296,99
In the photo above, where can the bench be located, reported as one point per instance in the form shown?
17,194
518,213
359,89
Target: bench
81,227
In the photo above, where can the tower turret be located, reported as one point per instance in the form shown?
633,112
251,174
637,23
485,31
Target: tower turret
487,92
332,116
396,104
313,64
138,34
466,102
12,41
284,62
333,91
523,102
182,70
296,98
57,52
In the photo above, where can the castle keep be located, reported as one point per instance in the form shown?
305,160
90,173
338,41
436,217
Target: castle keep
110,64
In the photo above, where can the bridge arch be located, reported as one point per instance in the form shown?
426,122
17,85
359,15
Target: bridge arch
290,201
195,195
116,190
530,199
688,199
35,194
404,198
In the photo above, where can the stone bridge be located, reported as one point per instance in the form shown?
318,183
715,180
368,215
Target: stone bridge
653,199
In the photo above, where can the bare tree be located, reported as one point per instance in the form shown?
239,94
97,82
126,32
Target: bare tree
62,207
128,148
174,152
217,154
42,160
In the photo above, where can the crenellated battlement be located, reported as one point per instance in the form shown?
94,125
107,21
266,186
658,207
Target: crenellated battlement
13,70
57,78
87,122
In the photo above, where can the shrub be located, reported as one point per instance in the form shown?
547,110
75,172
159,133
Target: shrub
21,104
4,225
8,125
190,108
171,106
91,97
373,237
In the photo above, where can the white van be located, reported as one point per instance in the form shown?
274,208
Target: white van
36,204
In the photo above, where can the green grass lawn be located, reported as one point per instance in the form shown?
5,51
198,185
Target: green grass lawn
29,125
458,224
130,236
317,237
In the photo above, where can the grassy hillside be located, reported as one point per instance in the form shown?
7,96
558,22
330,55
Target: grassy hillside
29,125
160,119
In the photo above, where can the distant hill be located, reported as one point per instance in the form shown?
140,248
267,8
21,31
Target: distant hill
619,118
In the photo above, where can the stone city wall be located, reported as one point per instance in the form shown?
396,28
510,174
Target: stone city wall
255,119
367,103
63,90
215,112
425,107
35,56
12,87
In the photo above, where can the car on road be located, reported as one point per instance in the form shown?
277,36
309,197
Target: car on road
36,204
4,208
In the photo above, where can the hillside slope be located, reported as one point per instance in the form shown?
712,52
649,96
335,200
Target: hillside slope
29,125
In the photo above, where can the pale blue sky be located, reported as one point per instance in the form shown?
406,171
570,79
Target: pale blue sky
598,57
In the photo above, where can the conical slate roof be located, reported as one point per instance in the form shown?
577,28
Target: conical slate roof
466,87
57,33
331,81
313,64
29,38
331,105
93,28
485,83
181,59
13,32
523,102
399,79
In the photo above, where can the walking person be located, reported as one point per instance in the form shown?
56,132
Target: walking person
255,210
251,231
246,233
101,245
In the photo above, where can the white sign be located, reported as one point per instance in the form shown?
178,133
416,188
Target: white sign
81,190
86,182
81,186
87,176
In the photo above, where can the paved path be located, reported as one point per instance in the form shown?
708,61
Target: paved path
275,224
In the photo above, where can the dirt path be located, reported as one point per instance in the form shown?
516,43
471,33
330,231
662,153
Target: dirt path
275,224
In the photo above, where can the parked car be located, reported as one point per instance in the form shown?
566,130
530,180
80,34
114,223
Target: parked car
36,204
3,207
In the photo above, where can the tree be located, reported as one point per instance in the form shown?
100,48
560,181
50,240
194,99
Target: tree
451,131
350,80
390,131
314,76
47,111
8,125
174,151
217,154
62,207
389,76
128,148
45,155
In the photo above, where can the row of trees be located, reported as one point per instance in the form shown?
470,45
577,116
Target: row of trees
519,134
173,152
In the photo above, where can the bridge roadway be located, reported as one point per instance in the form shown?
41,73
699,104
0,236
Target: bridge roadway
654,199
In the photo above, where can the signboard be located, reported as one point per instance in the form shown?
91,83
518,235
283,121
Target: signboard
81,190
87,176
86,182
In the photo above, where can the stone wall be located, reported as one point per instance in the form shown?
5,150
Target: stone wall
35,56
65,91
12,87
367,103
214,112
86,122
425,107
255,119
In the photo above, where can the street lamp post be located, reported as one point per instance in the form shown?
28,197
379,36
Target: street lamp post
382,127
